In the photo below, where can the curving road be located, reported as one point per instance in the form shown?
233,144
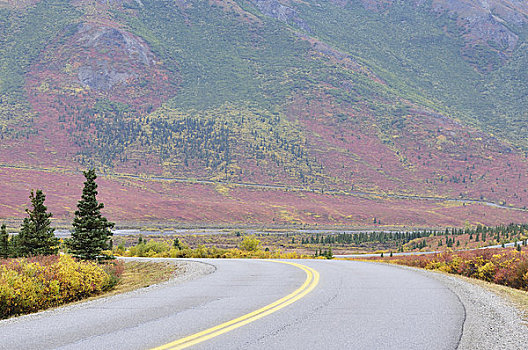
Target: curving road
354,305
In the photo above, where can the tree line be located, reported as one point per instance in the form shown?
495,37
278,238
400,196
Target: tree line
89,238
479,233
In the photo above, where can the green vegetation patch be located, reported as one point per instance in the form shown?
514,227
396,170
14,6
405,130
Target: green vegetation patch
23,36
423,56
229,138
221,57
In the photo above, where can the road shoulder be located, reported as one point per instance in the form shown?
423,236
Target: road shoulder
491,320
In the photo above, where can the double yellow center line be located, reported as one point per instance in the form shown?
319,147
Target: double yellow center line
312,279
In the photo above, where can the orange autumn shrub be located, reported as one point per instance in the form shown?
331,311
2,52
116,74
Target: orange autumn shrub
29,285
502,266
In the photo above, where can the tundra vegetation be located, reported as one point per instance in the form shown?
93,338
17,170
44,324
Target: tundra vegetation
249,248
290,93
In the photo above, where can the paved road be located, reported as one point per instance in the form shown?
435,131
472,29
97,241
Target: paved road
356,305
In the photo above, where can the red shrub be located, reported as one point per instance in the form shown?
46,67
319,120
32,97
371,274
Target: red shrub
502,266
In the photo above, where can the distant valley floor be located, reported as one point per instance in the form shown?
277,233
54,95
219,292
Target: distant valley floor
143,200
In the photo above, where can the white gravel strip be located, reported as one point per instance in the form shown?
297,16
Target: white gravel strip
186,271
491,321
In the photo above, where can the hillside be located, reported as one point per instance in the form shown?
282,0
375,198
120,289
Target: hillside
378,109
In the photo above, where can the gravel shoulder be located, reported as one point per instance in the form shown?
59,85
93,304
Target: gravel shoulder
491,321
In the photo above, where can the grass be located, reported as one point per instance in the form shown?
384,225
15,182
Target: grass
140,275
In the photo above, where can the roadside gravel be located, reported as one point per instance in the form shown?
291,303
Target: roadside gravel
186,271
491,322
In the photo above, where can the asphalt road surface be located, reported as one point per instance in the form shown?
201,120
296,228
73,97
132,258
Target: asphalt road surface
327,304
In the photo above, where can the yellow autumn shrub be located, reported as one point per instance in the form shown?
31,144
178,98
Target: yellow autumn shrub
28,286
486,272
164,250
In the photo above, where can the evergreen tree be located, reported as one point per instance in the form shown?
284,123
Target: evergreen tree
176,244
36,236
4,242
91,231
12,248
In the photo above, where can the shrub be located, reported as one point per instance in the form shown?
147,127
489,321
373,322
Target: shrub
29,285
167,250
507,267
250,244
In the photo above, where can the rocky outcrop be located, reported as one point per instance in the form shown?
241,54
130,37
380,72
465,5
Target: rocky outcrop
488,23
277,10
116,44
102,76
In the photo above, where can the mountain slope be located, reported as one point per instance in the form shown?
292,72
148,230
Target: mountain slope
420,98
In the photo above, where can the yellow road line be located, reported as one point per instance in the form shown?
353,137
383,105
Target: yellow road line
312,279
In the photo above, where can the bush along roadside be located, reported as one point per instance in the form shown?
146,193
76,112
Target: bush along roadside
32,284
249,248
508,267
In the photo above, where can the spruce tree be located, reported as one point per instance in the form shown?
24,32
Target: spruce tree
13,246
91,231
36,236
4,242
176,244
